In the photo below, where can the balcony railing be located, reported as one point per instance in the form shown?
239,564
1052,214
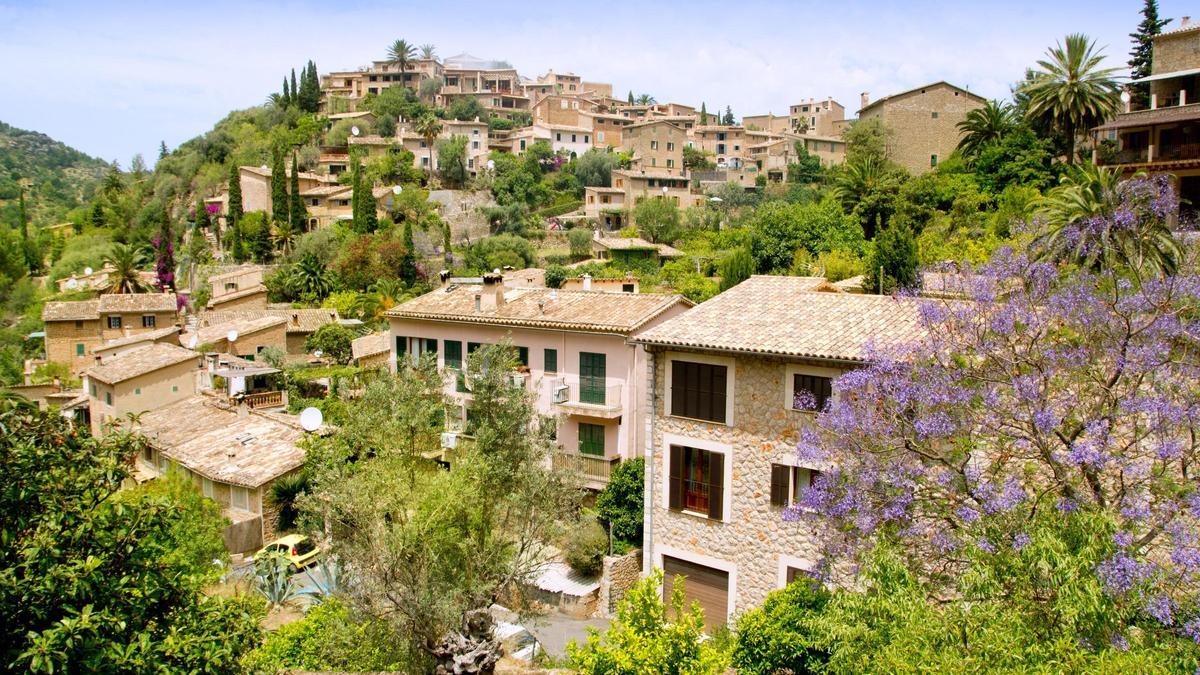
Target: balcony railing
591,469
586,393
264,399
1177,152
1126,156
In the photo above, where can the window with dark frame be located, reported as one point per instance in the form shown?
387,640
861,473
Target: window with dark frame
811,392
148,321
114,322
698,390
696,481
453,356
591,439
790,483
550,360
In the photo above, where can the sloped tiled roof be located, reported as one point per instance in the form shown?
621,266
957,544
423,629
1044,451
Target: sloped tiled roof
135,362
785,316
76,310
216,442
237,295
147,336
369,345
620,313
216,332
637,243
137,302
298,320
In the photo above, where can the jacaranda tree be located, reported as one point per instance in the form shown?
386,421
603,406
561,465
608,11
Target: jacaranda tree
1026,468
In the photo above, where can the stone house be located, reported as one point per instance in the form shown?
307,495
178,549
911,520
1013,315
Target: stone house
250,336
656,146
371,351
924,121
240,288
74,328
574,352
112,348
639,184
725,410
142,379
605,206
631,249
256,186
232,453
299,323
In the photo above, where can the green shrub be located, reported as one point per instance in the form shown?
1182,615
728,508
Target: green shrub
555,275
585,547
333,341
329,637
780,637
580,239
840,264
619,504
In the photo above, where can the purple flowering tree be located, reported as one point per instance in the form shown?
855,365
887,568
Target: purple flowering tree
1048,400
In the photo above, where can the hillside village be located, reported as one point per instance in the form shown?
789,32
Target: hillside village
431,366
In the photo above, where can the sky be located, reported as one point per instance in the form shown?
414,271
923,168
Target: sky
114,79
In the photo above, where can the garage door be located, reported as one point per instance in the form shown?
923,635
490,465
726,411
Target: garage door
707,586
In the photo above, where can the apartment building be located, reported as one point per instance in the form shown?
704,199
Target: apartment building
656,146
924,121
141,379
232,453
240,288
574,352
726,144
1163,135
75,328
730,381
817,117
639,184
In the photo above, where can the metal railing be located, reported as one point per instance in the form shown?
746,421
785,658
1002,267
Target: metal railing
585,392
588,467
1126,156
1176,152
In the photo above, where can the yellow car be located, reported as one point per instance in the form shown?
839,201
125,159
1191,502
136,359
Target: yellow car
297,548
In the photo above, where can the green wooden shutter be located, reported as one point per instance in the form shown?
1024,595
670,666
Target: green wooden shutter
779,484
591,377
453,354
591,439
551,361
716,485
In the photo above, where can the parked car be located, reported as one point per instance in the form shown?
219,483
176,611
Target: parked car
299,550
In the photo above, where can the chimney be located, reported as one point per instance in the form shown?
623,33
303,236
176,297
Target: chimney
444,278
865,99
492,295
1185,21
587,281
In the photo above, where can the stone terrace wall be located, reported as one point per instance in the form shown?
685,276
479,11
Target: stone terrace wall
617,576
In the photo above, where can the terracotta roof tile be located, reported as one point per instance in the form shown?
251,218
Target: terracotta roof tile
216,332
137,302
369,345
135,362
298,320
76,310
785,316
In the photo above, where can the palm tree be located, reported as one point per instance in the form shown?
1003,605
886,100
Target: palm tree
285,234
984,126
428,52
645,99
380,297
428,127
861,185
1080,224
309,277
401,53
1071,90
125,276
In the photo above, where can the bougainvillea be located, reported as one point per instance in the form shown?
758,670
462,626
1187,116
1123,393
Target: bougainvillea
1044,392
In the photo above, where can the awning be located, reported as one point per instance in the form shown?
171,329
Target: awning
1167,76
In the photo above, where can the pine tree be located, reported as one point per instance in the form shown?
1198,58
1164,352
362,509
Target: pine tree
728,121
97,214
298,216
703,114
1142,54
279,195
162,149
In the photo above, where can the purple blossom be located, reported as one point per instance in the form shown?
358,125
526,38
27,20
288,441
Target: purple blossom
1162,609
1020,541
1121,573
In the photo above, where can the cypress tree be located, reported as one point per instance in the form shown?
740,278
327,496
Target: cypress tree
295,91
296,210
287,97
630,97
736,268
362,202
24,218
279,195
1142,54
162,149
408,264
703,114
233,211
895,257
728,116
262,244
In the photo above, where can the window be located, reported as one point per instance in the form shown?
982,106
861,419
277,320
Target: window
558,136
720,148
794,573
653,145
93,389
78,349
698,390
627,288
148,321
932,161
206,487
587,139
810,392
114,322
935,115
573,138
453,357
174,389
599,137
790,483
550,361
137,391
522,144
401,349
238,498
670,147
670,163
108,397
591,439
523,356
591,377
696,481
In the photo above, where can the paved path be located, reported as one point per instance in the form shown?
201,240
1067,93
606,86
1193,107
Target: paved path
554,631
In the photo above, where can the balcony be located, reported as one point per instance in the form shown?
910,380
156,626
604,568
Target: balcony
594,471
1126,156
591,399
265,399
1182,151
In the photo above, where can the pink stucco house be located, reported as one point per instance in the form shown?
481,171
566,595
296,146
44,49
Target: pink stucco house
575,349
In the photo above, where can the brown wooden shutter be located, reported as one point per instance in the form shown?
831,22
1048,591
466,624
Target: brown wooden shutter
779,484
675,477
716,485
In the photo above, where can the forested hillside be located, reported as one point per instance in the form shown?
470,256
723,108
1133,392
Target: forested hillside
56,177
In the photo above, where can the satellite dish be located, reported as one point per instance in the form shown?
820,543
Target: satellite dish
87,270
232,336
396,189
318,353
354,130
311,419
193,341
491,165
264,167
1125,97
72,284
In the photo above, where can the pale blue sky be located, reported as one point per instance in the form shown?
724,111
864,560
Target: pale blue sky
113,79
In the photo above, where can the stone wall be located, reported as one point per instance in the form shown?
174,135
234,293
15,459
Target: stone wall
619,573
752,542
919,135
1176,52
